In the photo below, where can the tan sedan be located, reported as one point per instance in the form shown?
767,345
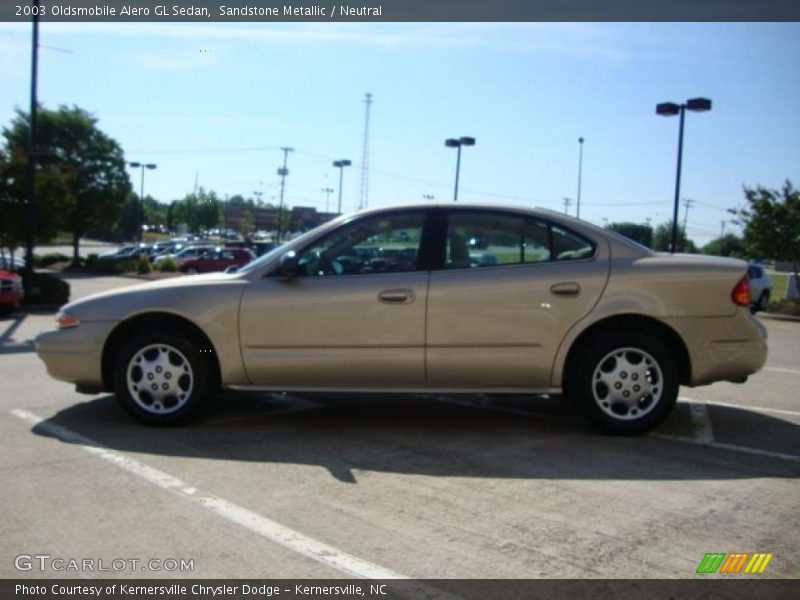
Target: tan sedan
457,298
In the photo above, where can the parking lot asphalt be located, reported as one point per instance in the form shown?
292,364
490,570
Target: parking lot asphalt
381,486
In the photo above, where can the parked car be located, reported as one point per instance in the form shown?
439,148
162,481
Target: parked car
11,292
184,254
562,306
218,260
124,253
760,286
11,263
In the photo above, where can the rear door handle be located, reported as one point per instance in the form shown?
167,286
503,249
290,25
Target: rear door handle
566,288
396,296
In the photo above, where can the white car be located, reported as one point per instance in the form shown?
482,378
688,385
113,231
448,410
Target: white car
760,286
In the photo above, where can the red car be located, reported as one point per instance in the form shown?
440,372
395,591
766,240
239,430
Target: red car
10,291
218,260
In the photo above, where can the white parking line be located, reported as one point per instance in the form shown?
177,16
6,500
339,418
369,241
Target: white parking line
267,528
733,447
762,409
782,370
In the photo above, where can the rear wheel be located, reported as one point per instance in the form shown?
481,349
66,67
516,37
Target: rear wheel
626,383
162,378
763,301
192,271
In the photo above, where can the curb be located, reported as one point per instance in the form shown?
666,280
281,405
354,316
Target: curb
780,317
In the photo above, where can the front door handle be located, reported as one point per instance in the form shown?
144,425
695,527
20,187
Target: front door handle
566,288
396,296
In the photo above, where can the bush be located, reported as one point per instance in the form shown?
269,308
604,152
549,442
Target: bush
44,288
126,266
45,260
92,263
785,307
168,266
143,265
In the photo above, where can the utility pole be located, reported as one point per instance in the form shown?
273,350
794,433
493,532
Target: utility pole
30,209
567,202
722,229
364,199
687,203
283,172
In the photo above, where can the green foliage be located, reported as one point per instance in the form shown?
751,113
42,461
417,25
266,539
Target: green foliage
45,260
81,180
662,238
143,265
168,265
771,223
92,262
247,225
728,245
129,265
785,307
201,211
637,232
44,288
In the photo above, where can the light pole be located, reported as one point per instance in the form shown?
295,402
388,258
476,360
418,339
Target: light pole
457,143
670,109
580,173
283,172
30,208
341,164
142,166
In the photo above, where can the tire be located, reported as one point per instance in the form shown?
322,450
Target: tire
625,383
172,363
763,301
192,271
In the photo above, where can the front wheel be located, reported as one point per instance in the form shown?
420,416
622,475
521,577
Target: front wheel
625,383
162,378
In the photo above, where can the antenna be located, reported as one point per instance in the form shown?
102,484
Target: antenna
364,199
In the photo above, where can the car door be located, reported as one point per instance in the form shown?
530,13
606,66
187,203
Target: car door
510,287
354,316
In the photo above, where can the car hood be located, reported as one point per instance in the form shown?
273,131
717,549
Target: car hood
166,294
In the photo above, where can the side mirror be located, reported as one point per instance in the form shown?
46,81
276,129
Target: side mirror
288,265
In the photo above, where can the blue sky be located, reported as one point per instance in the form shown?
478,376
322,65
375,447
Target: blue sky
219,100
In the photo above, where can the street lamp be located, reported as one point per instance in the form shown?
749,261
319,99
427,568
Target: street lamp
327,191
457,143
142,166
670,109
580,173
341,164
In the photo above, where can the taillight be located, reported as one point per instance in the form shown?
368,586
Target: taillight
741,292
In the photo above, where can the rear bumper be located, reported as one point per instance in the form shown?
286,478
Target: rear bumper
723,349
74,354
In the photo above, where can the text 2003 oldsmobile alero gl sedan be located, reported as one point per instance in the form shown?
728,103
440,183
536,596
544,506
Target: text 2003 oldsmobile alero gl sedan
420,299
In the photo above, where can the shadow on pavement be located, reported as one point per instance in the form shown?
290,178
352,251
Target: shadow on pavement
424,436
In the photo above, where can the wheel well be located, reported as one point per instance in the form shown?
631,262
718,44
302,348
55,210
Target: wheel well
639,324
157,322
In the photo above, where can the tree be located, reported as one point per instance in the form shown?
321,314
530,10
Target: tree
638,232
81,181
729,244
247,226
771,222
662,238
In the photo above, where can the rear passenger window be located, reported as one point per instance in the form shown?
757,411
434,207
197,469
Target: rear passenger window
478,239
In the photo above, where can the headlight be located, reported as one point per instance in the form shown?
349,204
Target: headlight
65,320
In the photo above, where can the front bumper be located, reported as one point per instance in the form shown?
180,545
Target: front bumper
75,354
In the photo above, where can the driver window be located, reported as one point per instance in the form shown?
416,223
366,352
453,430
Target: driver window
385,244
